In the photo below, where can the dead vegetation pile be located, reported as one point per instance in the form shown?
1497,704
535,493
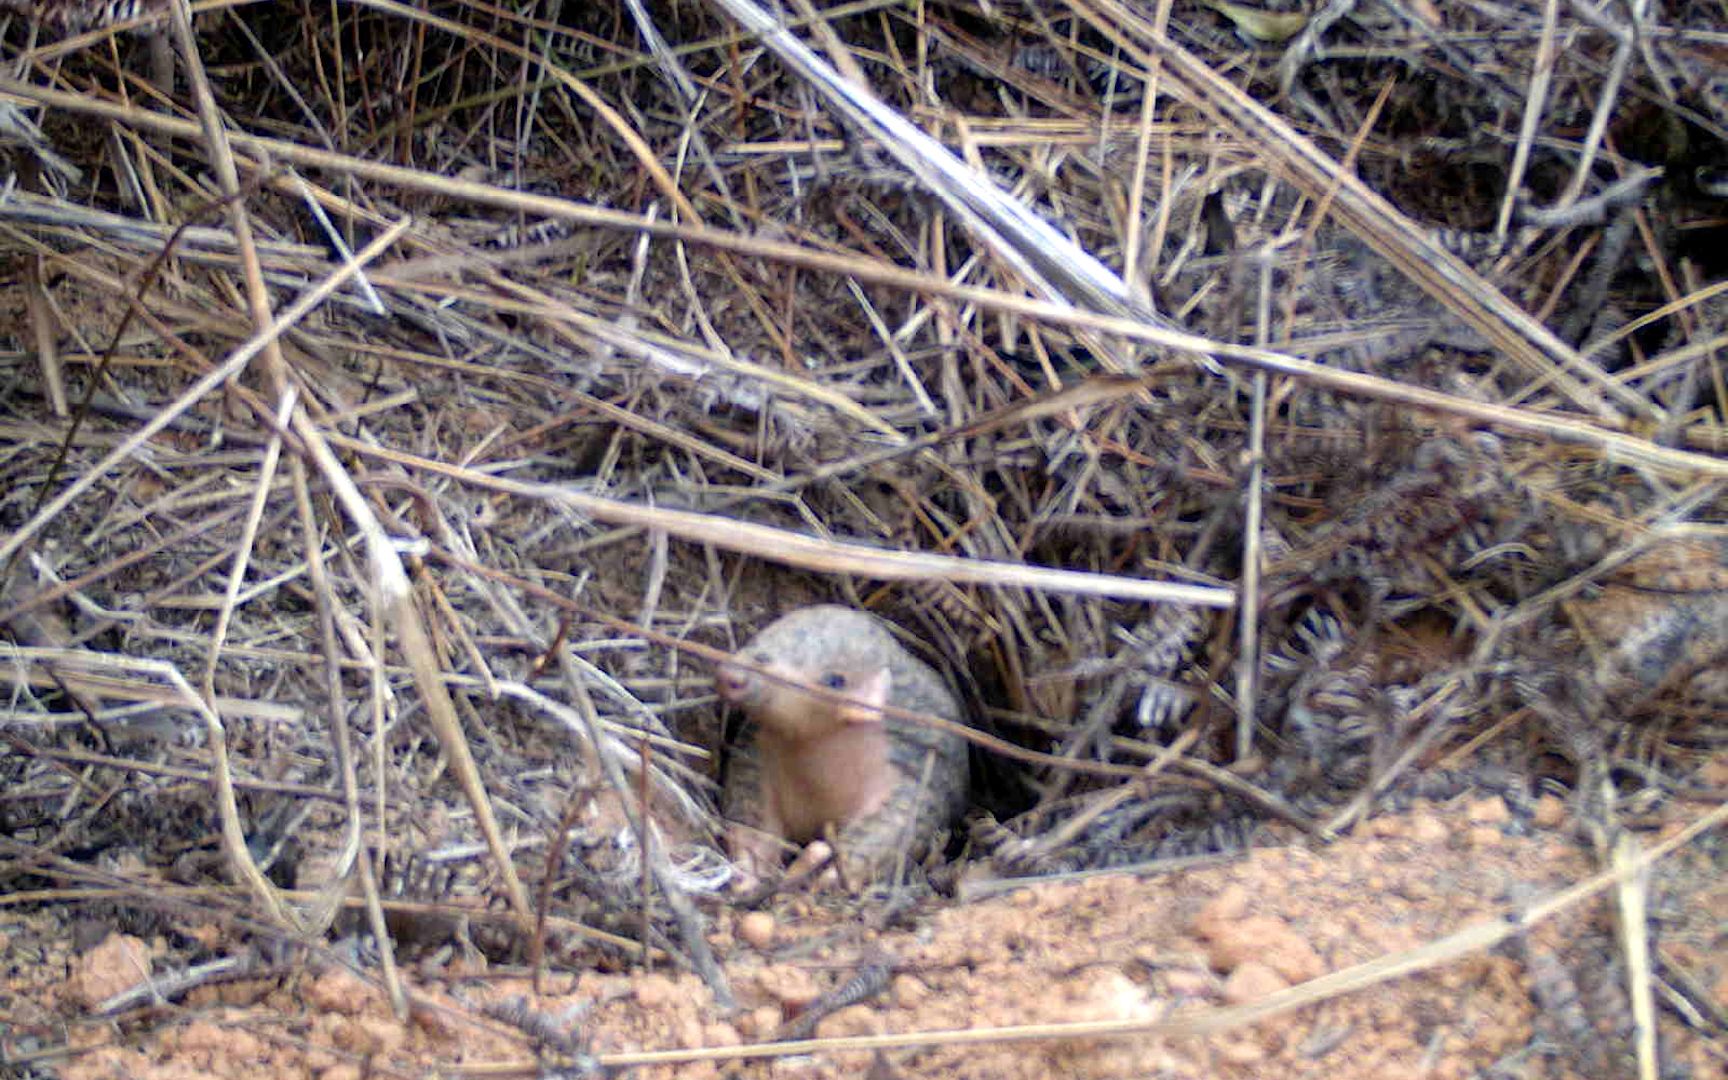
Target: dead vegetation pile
1264,416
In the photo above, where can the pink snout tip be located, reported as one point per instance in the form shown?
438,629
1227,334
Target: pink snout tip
731,683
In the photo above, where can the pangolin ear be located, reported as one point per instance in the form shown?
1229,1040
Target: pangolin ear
869,692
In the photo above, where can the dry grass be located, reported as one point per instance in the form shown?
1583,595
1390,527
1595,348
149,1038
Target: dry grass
425,395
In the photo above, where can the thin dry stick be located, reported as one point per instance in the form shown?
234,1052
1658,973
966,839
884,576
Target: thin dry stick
1030,850
1605,102
392,579
644,155
228,180
42,326
574,802
690,925
1035,250
1541,74
720,656
808,552
395,597
1063,406
180,772
211,379
181,695
243,546
1248,659
1248,614
1634,925
1658,530
1364,799
1367,214
645,844
1615,444
342,744
179,540
1132,229
566,927
1236,785
1667,311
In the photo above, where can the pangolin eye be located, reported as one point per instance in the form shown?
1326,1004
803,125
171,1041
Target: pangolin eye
833,680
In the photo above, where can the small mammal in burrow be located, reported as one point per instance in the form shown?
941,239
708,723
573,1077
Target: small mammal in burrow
812,763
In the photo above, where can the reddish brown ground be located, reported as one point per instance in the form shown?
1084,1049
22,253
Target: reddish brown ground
1098,949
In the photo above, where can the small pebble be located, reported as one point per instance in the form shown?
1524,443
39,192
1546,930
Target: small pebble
1252,981
1489,811
756,929
1550,811
655,991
